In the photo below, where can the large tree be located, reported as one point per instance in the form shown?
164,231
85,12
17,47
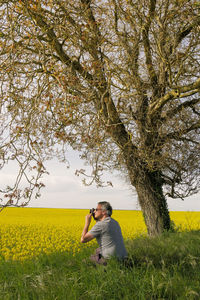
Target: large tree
117,80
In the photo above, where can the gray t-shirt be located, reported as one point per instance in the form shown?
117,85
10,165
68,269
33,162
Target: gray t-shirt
109,237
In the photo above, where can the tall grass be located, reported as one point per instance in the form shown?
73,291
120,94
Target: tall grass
166,267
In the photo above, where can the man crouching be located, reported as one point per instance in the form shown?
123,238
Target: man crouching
107,233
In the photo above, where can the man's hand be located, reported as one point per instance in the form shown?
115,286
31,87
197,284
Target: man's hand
86,237
88,219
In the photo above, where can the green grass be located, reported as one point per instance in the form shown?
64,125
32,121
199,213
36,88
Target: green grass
166,267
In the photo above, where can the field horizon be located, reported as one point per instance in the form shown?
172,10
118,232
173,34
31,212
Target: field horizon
75,208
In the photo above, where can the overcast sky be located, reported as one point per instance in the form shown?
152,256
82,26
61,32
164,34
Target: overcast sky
63,189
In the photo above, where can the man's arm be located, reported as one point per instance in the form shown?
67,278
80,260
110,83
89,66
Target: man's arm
86,236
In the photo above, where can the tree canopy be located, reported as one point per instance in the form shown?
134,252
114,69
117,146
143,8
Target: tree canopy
117,80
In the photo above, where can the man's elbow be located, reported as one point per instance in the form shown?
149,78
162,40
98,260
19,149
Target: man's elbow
83,240
86,238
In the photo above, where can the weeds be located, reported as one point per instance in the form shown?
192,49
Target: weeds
165,267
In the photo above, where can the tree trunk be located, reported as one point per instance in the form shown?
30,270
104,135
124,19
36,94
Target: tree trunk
153,203
148,186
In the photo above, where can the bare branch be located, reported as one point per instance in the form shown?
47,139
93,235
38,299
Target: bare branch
177,135
186,31
145,34
171,113
178,92
53,41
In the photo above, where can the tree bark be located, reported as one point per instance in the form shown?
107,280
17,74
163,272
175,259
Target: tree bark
149,188
153,203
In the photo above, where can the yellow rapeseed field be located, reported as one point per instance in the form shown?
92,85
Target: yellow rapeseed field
27,232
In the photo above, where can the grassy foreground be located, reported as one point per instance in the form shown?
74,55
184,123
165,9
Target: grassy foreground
167,267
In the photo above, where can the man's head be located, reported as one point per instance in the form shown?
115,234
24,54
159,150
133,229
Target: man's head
103,210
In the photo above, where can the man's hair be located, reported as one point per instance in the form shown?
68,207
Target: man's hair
106,206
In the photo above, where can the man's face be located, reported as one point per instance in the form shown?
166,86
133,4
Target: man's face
99,213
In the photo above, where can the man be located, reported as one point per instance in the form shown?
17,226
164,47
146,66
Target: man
107,233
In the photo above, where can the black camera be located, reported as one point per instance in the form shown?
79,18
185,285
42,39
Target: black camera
92,210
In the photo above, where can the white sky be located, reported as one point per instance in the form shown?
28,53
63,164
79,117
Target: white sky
63,189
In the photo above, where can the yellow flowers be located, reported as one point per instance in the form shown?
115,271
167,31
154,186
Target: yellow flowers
27,232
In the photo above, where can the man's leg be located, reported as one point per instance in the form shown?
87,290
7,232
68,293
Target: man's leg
97,258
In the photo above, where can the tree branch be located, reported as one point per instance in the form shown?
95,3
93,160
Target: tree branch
177,135
147,47
171,113
133,50
178,92
53,41
186,31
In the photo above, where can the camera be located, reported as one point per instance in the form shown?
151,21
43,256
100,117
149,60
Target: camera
92,211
